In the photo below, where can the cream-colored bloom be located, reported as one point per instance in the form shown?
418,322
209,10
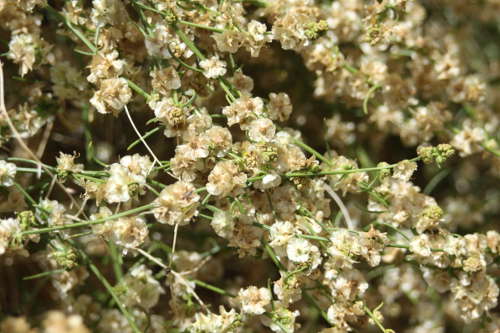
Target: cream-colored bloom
177,204
22,50
165,80
105,65
116,187
261,130
53,212
280,233
270,180
66,163
8,229
225,321
138,167
7,173
243,110
254,300
112,96
128,232
222,223
58,322
141,288
302,251
213,67
171,115
279,107
224,178
468,140
421,245
474,294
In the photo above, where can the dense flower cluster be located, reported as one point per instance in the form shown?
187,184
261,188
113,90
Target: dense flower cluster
249,166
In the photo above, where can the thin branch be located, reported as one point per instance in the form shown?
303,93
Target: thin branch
343,208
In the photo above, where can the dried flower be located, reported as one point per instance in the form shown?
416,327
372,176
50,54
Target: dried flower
176,204
112,96
225,178
254,300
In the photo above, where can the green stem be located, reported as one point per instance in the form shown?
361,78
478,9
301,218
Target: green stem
117,261
312,151
399,246
18,159
110,290
43,274
273,257
491,150
313,237
436,180
188,43
213,288
224,85
213,208
205,27
70,26
392,228
25,194
339,172
315,304
200,190
375,320
368,96
138,89
89,223
145,136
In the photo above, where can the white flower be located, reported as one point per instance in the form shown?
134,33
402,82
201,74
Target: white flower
7,173
55,212
112,95
141,288
404,170
421,245
138,166
129,232
222,223
226,321
270,180
66,163
8,228
177,204
57,322
224,178
132,169
254,300
280,233
243,110
213,67
474,294
105,65
22,50
262,130
468,139
302,251
116,188
256,30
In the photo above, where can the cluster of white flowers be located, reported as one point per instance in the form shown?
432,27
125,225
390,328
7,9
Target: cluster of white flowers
247,166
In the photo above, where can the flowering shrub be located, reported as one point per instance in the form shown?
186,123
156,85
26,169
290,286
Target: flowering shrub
249,166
